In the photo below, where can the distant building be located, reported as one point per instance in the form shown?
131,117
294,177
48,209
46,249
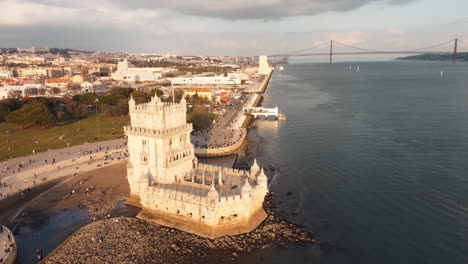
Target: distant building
20,91
216,80
6,74
263,66
223,97
61,83
33,71
87,87
120,84
124,73
201,92
55,72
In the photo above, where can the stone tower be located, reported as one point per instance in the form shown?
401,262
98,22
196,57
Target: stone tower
159,133
174,190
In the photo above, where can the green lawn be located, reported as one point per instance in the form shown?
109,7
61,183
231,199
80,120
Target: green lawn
22,142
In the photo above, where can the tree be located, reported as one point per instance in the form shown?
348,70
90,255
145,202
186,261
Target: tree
141,97
120,109
11,104
87,98
4,111
201,118
36,113
157,92
74,109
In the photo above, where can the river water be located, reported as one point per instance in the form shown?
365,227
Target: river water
377,161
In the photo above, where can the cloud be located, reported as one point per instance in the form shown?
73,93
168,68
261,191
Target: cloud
226,9
248,9
99,13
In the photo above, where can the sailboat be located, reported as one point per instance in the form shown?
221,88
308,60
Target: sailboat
349,67
357,68
441,73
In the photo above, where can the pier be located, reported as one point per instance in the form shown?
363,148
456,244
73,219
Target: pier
264,111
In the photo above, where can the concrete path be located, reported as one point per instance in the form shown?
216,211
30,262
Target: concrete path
19,174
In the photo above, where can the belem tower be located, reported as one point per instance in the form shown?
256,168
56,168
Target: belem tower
174,190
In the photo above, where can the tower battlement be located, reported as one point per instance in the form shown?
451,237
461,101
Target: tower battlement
157,114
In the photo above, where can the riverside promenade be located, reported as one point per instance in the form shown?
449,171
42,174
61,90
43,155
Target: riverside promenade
227,135
259,89
9,250
21,174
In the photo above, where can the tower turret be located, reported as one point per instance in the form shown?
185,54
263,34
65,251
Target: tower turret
131,102
212,195
254,169
262,178
246,187
220,178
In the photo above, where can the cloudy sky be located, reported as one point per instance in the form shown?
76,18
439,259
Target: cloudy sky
230,27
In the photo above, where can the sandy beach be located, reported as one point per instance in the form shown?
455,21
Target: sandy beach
106,186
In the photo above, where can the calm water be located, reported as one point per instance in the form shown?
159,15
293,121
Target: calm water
377,161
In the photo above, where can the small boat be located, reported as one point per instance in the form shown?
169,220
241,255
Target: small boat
441,73
357,69
281,68
349,67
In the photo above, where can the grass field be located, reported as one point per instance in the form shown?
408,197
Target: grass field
23,142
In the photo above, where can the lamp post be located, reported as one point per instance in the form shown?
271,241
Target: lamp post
97,115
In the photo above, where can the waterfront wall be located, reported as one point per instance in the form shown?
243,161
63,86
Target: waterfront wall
262,86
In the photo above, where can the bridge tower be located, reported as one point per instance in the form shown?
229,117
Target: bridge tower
331,51
455,51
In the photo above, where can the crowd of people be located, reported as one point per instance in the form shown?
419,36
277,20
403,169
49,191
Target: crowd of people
226,131
8,244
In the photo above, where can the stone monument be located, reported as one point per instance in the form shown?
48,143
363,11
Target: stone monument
174,190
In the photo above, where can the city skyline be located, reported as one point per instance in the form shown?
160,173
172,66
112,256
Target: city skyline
233,28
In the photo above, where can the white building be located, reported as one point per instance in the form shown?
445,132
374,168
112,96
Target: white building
87,87
32,71
20,91
216,80
124,73
174,190
6,74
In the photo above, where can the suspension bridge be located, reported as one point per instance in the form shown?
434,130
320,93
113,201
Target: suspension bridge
364,51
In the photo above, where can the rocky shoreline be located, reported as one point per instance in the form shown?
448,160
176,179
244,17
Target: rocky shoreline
131,240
